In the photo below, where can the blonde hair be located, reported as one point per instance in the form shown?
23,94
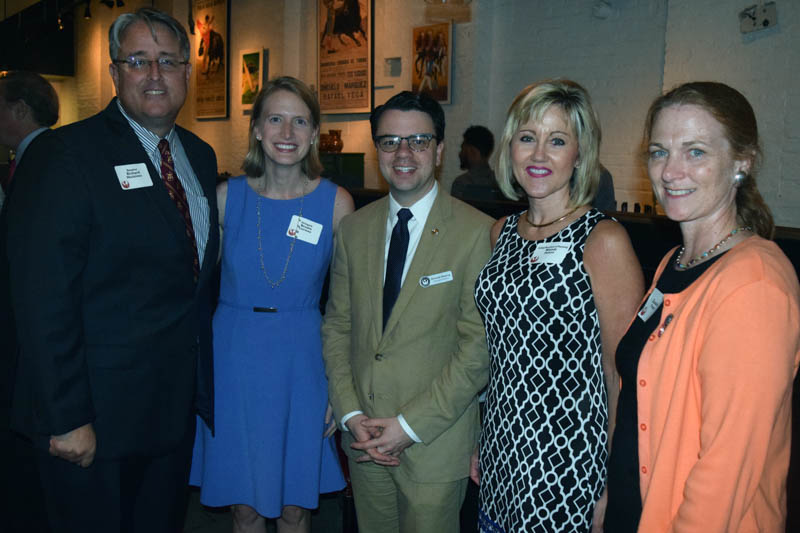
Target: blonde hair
531,104
255,164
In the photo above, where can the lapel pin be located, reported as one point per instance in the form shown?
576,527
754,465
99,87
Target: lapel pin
435,231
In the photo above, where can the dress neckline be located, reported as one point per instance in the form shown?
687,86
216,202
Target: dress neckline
307,195
515,228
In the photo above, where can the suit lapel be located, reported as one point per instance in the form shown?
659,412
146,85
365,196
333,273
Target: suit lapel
433,233
201,166
124,148
376,252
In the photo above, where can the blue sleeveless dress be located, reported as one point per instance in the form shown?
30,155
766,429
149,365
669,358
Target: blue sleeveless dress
270,387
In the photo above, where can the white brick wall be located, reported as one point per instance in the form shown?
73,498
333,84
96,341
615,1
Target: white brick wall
704,43
624,60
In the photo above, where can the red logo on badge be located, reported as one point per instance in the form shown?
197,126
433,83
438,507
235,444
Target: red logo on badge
125,184
292,232
534,259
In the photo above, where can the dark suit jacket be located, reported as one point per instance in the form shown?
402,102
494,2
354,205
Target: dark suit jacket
112,329
8,332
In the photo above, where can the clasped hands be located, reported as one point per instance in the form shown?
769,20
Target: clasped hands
382,439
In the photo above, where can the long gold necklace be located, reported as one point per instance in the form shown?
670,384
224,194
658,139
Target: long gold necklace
275,284
556,221
708,252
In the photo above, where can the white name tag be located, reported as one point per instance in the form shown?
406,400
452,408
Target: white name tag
304,229
652,304
550,252
435,279
133,176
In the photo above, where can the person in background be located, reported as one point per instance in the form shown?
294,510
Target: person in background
556,296
111,260
404,348
271,455
28,107
478,182
703,430
605,200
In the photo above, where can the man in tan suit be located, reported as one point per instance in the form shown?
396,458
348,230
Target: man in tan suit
404,345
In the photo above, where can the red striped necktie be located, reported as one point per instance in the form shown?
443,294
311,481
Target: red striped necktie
178,195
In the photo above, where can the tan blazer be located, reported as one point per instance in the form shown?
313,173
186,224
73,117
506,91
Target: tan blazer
432,359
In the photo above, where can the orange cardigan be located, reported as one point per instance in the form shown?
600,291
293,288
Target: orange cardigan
714,397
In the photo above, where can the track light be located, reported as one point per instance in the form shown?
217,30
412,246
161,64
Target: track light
60,24
87,13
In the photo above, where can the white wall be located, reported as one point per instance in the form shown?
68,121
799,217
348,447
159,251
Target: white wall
704,43
625,59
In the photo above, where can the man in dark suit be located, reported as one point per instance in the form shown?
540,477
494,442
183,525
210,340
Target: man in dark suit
404,345
111,249
28,107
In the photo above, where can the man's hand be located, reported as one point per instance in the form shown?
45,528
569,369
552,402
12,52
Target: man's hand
475,467
364,434
77,446
391,442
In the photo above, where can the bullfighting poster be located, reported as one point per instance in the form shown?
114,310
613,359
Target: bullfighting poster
211,58
345,56
432,61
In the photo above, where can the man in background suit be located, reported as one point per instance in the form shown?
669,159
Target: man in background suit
28,106
404,345
111,250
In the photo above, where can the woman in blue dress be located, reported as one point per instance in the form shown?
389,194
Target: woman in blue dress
271,454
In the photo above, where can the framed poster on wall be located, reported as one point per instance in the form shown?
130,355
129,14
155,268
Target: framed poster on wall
211,58
432,69
255,73
344,73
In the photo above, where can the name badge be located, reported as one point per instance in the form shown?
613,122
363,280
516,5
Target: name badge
550,253
304,229
652,304
435,279
133,176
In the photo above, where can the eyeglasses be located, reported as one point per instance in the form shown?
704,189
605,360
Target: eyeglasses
416,143
137,64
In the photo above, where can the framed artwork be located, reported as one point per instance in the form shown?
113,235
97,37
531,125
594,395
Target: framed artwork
211,56
344,74
255,72
432,56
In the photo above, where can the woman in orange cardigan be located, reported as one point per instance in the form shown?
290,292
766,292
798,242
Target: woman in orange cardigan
703,423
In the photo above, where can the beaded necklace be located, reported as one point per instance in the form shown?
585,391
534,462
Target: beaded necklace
708,252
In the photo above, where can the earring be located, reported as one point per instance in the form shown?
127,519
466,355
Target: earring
739,177
258,137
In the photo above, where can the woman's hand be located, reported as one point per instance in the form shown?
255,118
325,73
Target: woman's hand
475,467
330,421
599,514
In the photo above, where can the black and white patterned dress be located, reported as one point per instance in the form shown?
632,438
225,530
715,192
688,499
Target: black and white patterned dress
543,443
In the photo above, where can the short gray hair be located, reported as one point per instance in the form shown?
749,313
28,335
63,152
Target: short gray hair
150,17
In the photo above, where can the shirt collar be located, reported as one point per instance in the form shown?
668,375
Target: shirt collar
419,209
26,141
145,136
